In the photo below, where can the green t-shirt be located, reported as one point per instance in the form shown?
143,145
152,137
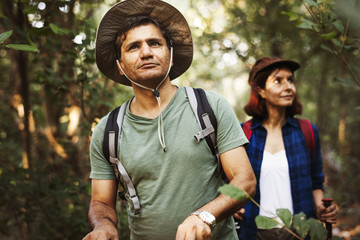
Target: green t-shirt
172,184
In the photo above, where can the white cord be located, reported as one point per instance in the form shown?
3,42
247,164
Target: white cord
161,134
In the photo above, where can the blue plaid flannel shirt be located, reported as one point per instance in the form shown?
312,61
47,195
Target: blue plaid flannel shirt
305,175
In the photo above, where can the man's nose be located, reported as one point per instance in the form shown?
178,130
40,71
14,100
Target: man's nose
145,51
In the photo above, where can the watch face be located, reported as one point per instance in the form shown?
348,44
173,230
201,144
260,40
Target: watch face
208,217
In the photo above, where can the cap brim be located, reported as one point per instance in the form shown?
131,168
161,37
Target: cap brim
165,14
289,63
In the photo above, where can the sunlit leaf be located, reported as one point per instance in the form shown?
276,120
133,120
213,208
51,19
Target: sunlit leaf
317,230
285,216
305,24
23,47
301,225
292,16
5,35
328,36
344,82
312,3
233,192
339,26
263,222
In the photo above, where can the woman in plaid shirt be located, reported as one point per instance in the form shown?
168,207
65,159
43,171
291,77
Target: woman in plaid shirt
287,176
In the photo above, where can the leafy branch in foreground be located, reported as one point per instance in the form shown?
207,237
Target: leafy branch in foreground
298,222
332,32
21,47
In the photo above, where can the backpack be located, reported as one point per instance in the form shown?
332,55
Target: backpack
204,115
306,129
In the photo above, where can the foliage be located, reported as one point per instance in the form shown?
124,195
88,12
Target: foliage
329,27
40,205
299,222
21,47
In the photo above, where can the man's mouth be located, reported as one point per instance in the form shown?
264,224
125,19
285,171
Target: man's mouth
148,65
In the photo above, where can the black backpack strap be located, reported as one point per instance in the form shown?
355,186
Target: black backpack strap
111,139
205,118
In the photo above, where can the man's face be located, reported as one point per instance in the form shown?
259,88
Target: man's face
145,55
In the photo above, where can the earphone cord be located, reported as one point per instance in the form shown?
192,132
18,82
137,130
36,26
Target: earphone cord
157,96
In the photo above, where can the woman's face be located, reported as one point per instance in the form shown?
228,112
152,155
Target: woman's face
279,88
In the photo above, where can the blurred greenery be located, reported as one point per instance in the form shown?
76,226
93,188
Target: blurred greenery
53,94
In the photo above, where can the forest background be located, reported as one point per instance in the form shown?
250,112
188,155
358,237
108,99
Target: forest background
53,95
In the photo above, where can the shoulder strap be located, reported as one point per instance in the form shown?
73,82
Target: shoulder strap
308,132
111,138
247,129
205,117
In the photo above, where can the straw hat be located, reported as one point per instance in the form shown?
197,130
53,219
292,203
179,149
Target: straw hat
165,14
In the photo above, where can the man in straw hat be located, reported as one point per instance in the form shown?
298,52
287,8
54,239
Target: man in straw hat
146,44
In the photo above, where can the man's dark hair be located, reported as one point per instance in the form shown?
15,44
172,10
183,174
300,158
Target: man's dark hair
134,22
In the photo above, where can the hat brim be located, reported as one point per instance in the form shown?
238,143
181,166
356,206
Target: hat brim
165,14
282,62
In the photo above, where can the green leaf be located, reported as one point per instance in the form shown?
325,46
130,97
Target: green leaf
23,47
233,192
305,24
350,47
328,36
301,225
344,82
339,26
292,16
312,3
323,46
5,35
336,42
317,230
265,222
58,30
285,216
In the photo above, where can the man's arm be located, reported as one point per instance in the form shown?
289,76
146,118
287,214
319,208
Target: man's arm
238,169
102,211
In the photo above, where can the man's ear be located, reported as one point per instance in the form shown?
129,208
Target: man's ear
261,92
119,67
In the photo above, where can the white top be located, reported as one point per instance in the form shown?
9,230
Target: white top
275,189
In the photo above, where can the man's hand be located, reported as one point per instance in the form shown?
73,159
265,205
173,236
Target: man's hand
193,229
327,214
104,231
239,214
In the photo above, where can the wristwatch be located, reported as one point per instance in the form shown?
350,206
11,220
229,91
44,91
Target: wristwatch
206,217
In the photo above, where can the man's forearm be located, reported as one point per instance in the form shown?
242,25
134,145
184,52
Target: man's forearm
224,206
100,213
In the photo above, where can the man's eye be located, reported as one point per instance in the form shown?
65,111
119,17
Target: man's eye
291,79
132,47
154,44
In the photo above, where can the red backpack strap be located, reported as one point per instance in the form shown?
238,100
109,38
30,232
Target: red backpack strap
308,132
247,128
